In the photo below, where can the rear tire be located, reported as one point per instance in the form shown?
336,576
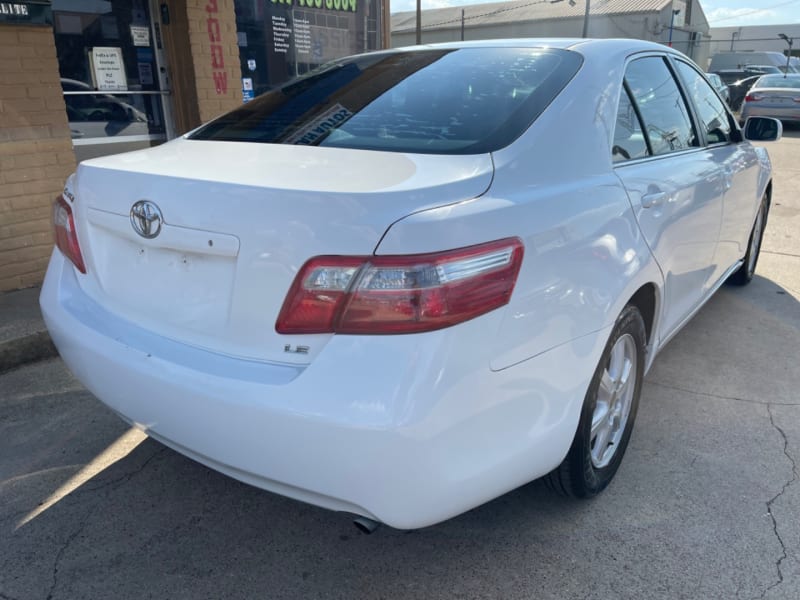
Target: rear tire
744,274
608,413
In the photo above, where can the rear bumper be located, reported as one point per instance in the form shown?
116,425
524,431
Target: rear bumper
408,430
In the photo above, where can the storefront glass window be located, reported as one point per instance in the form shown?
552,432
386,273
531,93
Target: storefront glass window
281,39
107,58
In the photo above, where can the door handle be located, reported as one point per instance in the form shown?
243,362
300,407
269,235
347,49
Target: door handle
654,199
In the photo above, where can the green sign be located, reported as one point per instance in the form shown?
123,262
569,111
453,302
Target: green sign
349,5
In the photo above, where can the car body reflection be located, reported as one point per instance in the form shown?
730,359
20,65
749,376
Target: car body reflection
100,115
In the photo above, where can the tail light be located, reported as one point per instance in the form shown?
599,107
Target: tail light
400,294
66,237
753,97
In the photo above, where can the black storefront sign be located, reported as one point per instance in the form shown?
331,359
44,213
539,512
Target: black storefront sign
281,39
26,13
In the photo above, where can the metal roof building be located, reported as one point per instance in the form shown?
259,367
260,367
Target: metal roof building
652,20
755,37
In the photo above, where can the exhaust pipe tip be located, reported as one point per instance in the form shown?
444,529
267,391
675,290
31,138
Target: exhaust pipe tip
366,525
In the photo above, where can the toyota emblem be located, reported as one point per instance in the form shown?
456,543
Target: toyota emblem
146,219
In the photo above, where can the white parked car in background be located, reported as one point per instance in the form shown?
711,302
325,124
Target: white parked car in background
413,280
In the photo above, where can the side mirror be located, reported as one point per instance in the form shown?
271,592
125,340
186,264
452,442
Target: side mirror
763,129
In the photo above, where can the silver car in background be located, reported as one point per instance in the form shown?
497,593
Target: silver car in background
776,96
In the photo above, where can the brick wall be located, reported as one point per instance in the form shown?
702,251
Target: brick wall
212,37
203,51
35,152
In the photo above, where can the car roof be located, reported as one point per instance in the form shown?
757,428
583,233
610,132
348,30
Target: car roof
782,75
588,47
794,77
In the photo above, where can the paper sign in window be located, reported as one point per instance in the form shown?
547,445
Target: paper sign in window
108,70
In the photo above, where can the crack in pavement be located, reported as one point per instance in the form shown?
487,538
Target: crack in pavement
780,253
719,396
84,522
739,587
83,488
117,482
122,479
13,517
786,485
771,501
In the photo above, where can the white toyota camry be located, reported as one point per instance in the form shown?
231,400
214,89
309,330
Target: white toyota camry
411,281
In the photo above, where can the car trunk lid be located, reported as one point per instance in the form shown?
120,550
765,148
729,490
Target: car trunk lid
775,96
239,220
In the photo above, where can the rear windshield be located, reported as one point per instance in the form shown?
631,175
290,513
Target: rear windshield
779,81
444,101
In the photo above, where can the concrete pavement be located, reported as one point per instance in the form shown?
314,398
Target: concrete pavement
23,336
704,506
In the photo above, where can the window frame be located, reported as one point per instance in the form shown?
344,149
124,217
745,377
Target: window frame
627,91
687,101
735,135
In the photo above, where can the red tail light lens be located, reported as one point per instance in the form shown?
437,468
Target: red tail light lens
400,294
317,295
66,237
753,97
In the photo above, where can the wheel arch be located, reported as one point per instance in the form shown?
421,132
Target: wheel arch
647,298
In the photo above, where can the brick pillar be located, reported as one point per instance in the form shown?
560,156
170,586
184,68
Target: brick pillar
35,151
204,60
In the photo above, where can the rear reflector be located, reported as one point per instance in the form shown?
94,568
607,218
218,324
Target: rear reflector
66,237
400,294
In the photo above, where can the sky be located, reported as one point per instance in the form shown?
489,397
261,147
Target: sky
720,13
736,13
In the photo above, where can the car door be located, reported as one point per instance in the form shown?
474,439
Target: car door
736,158
673,182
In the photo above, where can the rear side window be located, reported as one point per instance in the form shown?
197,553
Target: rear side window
778,81
664,113
629,140
446,101
710,110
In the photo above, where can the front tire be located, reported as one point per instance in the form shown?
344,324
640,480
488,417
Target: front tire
608,413
744,274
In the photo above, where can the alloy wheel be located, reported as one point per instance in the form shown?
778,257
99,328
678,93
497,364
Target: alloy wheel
614,398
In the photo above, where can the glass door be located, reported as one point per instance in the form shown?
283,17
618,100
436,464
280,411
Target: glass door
113,75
